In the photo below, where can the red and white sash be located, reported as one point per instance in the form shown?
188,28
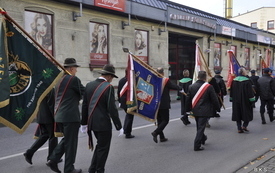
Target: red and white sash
199,93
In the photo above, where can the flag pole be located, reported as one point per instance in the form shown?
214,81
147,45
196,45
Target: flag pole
209,73
126,50
3,12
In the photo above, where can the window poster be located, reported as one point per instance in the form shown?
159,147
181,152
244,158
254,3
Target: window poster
98,44
141,45
217,55
39,26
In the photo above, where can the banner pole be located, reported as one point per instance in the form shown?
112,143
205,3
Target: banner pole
126,50
209,73
3,12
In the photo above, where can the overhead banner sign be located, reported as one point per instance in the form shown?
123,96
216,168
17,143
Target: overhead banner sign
118,5
229,31
193,19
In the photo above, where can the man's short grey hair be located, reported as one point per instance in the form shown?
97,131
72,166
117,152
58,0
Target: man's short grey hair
202,75
241,71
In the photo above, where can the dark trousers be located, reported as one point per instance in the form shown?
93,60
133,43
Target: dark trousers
240,124
200,136
47,133
163,120
269,104
101,151
128,123
67,145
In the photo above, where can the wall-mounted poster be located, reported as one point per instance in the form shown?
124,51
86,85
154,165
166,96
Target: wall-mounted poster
217,55
141,45
268,58
98,44
234,48
39,26
247,58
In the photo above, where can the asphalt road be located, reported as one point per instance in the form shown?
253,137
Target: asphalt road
225,151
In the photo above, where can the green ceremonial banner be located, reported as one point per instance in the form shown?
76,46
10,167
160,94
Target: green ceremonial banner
4,71
31,77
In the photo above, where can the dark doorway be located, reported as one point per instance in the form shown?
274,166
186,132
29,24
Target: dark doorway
182,51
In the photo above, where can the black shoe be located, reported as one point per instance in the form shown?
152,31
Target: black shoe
198,149
245,129
263,122
217,115
53,166
185,122
155,139
76,171
240,131
129,136
203,141
163,139
28,158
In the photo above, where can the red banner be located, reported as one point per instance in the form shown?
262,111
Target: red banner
118,5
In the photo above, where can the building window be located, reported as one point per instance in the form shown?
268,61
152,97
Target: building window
254,25
270,24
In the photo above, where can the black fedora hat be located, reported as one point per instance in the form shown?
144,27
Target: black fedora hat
70,62
108,69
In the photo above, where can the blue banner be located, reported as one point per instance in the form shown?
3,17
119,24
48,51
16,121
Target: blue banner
147,88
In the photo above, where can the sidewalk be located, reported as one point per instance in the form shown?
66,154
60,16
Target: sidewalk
264,163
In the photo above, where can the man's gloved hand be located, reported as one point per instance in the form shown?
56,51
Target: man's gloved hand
83,129
121,131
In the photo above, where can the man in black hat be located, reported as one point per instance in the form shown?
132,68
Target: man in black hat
254,80
98,109
266,85
69,91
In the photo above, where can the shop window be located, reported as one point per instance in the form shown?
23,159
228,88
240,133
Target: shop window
270,24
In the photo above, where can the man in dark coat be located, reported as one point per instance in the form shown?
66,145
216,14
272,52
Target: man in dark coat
221,84
163,112
266,85
98,109
202,101
45,120
128,122
255,86
68,93
242,97
185,82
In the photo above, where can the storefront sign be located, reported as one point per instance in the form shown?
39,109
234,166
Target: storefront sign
118,5
193,19
263,39
229,31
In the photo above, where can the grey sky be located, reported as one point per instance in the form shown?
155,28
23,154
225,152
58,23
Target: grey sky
217,6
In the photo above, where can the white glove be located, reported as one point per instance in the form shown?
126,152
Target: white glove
121,131
83,129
